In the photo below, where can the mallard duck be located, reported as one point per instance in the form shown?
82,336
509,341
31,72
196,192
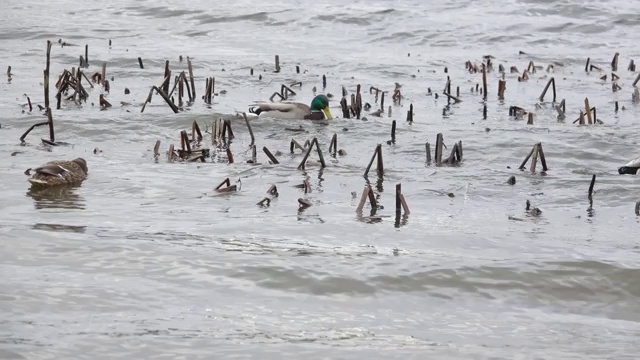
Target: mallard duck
56,173
318,110
631,168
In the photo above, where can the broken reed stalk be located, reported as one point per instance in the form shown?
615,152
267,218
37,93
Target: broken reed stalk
186,84
614,62
380,168
29,102
401,203
104,74
587,108
428,149
636,80
254,155
86,55
561,110
277,64
46,76
164,96
409,114
303,204
140,63
227,132
345,108
295,144
333,145
382,101
193,85
530,119
393,132
156,150
195,130
315,143
536,151
272,158
52,136
229,155
439,146
246,120
367,193
456,154
450,97
184,142
31,128
591,185
171,153
502,85
226,183
551,81
484,81
358,102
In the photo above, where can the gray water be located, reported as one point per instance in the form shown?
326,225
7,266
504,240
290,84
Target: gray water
144,260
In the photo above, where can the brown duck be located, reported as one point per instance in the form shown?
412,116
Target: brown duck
57,173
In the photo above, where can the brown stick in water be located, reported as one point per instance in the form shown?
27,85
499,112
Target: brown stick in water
164,96
333,145
272,158
193,85
409,114
428,149
156,150
313,143
46,76
104,73
551,81
438,150
229,155
484,81
588,108
614,62
171,153
31,128
246,120
226,183
376,154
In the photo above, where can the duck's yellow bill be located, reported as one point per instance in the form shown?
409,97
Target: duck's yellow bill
327,113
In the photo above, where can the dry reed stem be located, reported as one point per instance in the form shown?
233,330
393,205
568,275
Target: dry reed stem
171,153
229,155
156,150
246,120
164,96
191,80
272,158
587,108
333,145
313,143
377,154
551,81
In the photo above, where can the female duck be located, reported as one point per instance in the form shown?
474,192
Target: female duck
631,168
318,110
56,173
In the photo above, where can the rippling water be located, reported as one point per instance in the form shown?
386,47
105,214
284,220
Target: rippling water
144,260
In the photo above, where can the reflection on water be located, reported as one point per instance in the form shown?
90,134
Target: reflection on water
59,197
59,228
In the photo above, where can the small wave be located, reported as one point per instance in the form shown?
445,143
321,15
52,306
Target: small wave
208,19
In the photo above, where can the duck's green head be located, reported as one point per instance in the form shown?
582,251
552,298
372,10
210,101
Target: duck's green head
321,103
